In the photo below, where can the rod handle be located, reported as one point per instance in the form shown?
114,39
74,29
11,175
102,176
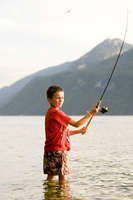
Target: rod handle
98,103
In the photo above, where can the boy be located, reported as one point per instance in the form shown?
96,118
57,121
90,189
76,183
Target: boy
57,135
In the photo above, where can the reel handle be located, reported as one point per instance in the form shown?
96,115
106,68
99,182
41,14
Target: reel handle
104,109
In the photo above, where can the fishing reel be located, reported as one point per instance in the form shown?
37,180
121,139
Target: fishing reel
104,109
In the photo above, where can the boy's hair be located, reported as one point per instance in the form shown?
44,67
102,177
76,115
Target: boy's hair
52,90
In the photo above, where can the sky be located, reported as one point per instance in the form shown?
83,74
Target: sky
35,34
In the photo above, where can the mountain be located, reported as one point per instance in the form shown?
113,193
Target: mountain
6,93
83,81
104,50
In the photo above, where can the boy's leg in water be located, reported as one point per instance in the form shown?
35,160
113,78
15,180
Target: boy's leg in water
62,179
51,178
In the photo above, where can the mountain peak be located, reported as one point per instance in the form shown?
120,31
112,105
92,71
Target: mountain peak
105,50
116,43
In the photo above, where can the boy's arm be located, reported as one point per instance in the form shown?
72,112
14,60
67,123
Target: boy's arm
82,131
84,119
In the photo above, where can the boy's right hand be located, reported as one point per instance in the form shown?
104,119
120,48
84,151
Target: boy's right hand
98,104
96,108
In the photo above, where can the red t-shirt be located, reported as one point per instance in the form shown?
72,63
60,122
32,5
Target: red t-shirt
57,134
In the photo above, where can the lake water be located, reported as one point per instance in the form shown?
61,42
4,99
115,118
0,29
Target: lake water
101,161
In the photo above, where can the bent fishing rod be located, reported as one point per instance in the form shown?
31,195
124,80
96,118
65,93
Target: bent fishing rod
104,109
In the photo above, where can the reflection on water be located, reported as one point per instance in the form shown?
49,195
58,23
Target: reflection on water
52,190
55,191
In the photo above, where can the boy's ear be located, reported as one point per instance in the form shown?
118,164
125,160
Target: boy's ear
49,100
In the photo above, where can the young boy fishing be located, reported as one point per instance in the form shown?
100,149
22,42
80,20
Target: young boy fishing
57,144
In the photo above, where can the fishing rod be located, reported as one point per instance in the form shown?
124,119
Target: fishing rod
104,109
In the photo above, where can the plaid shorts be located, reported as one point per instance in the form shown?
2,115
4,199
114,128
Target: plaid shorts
56,163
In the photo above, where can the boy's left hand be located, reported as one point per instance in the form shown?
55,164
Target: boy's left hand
83,130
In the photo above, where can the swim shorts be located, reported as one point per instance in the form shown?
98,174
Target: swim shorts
56,163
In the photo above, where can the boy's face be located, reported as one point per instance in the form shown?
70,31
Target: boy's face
57,100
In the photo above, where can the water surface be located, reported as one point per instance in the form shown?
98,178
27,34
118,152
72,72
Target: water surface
101,161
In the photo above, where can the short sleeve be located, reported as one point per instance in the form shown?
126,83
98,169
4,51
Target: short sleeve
61,117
